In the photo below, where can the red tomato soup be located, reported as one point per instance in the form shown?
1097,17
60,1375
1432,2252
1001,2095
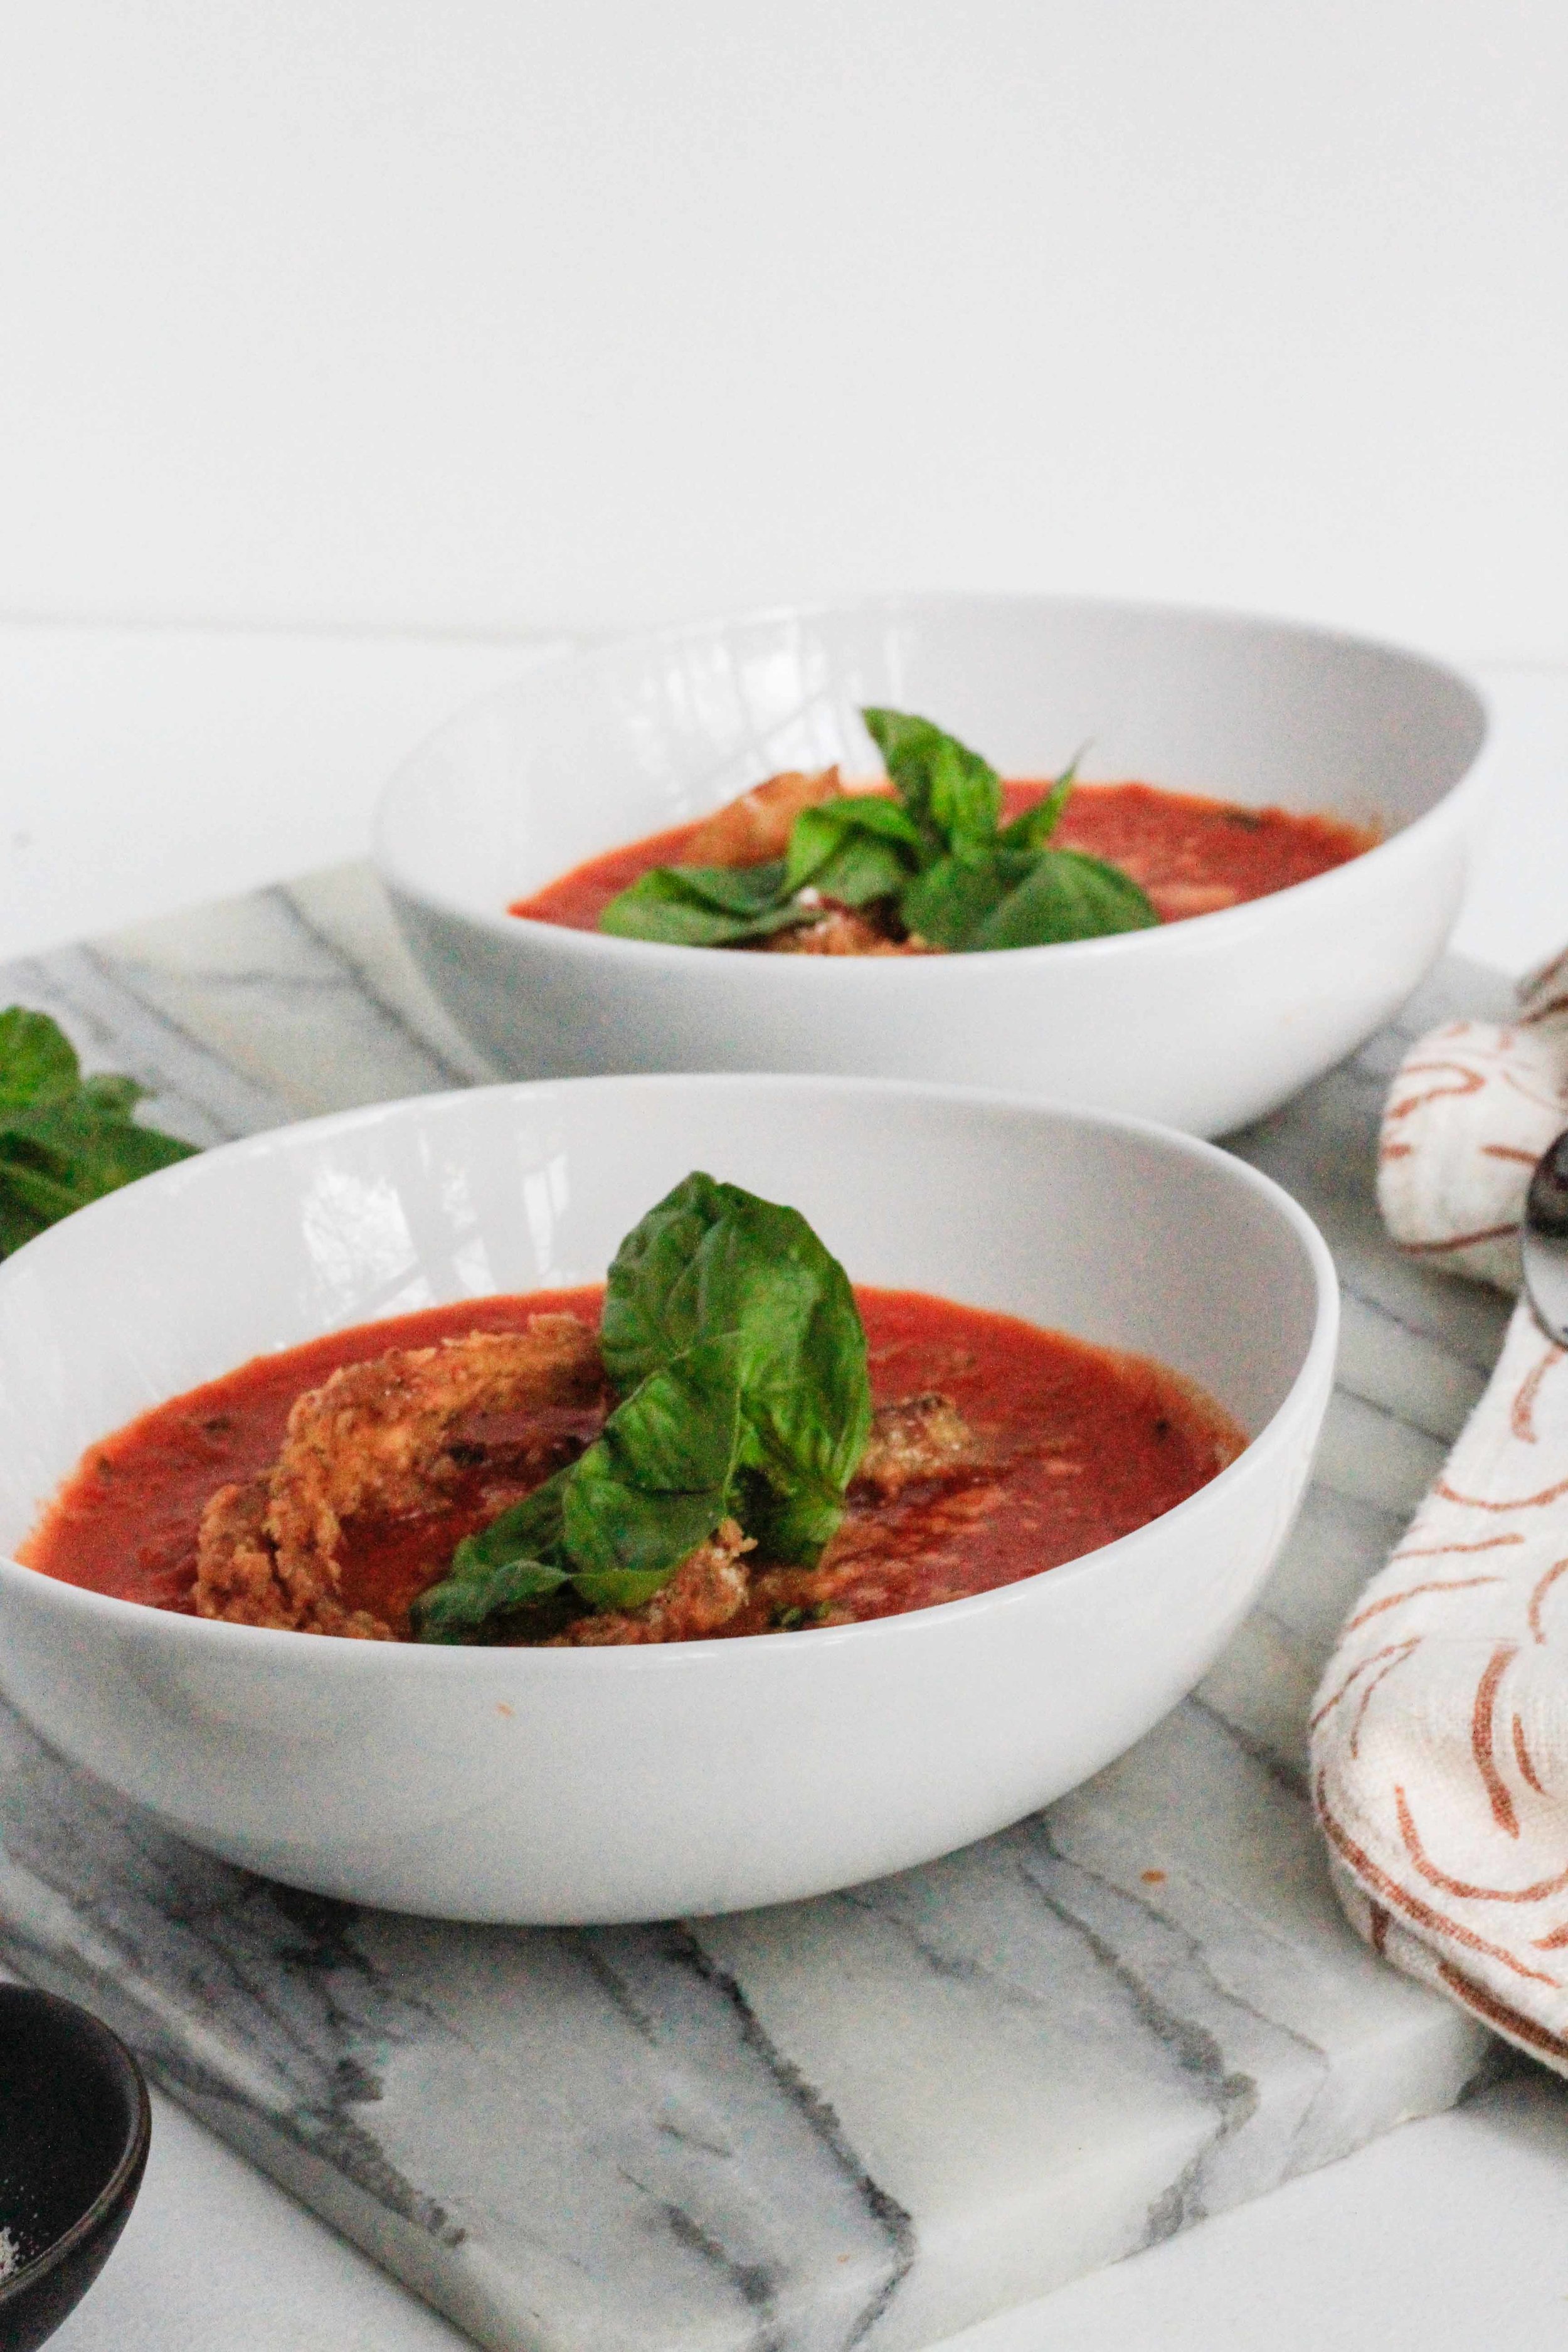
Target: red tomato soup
1192,856
1072,1446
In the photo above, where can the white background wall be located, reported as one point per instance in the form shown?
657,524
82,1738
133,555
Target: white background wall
490,314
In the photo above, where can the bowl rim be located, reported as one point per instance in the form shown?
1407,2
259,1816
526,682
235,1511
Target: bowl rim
861,970
338,1656
132,2156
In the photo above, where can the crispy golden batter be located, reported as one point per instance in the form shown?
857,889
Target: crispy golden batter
867,1568
239,1576
748,831
918,1437
840,931
378,1437
710,1586
373,1437
1173,901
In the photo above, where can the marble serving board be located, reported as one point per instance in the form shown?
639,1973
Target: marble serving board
866,2120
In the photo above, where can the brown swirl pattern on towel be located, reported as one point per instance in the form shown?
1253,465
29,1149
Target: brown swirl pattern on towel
1440,1734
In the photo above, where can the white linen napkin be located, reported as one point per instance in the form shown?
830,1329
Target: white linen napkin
1439,1738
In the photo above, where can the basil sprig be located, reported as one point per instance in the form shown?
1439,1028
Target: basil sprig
732,1338
64,1139
937,854
704,905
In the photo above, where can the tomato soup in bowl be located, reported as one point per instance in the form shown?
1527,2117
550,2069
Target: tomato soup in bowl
1290,813
1057,1383
1184,855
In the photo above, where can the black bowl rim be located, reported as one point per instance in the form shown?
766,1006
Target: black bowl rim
133,2156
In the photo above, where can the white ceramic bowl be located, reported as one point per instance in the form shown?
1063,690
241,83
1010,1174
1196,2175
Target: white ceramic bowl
632,1783
1203,1023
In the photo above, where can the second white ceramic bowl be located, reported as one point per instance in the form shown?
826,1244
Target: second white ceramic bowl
1203,1024
609,1784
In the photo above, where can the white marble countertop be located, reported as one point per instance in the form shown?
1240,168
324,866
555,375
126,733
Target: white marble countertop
140,770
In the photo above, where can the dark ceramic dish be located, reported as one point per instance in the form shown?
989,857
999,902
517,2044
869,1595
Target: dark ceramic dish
74,2129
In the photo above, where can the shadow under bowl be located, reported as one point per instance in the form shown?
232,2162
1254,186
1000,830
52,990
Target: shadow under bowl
75,2126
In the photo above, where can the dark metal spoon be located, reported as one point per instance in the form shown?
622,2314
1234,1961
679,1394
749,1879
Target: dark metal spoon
74,2129
1545,1241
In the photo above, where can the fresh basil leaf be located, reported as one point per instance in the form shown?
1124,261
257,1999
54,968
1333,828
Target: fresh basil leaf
952,794
947,904
694,1265
500,1570
714,1258
63,1145
703,905
807,1417
735,889
734,1338
29,1201
87,1151
966,793
1034,827
806,1395
862,871
660,1478
860,848
654,1302
1066,896
461,1608
37,1060
104,1092
963,880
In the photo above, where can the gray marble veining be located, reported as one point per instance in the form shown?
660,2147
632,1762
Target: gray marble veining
865,2120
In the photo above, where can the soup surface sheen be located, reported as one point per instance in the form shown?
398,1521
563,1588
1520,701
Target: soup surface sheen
1079,1445
1192,856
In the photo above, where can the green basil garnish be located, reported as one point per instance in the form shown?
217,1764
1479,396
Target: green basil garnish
952,794
733,1338
1034,827
704,905
951,901
713,1258
856,849
936,854
1064,896
64,1139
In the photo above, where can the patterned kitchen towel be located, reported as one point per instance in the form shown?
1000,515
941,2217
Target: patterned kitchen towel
1472,1110
1440,1733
